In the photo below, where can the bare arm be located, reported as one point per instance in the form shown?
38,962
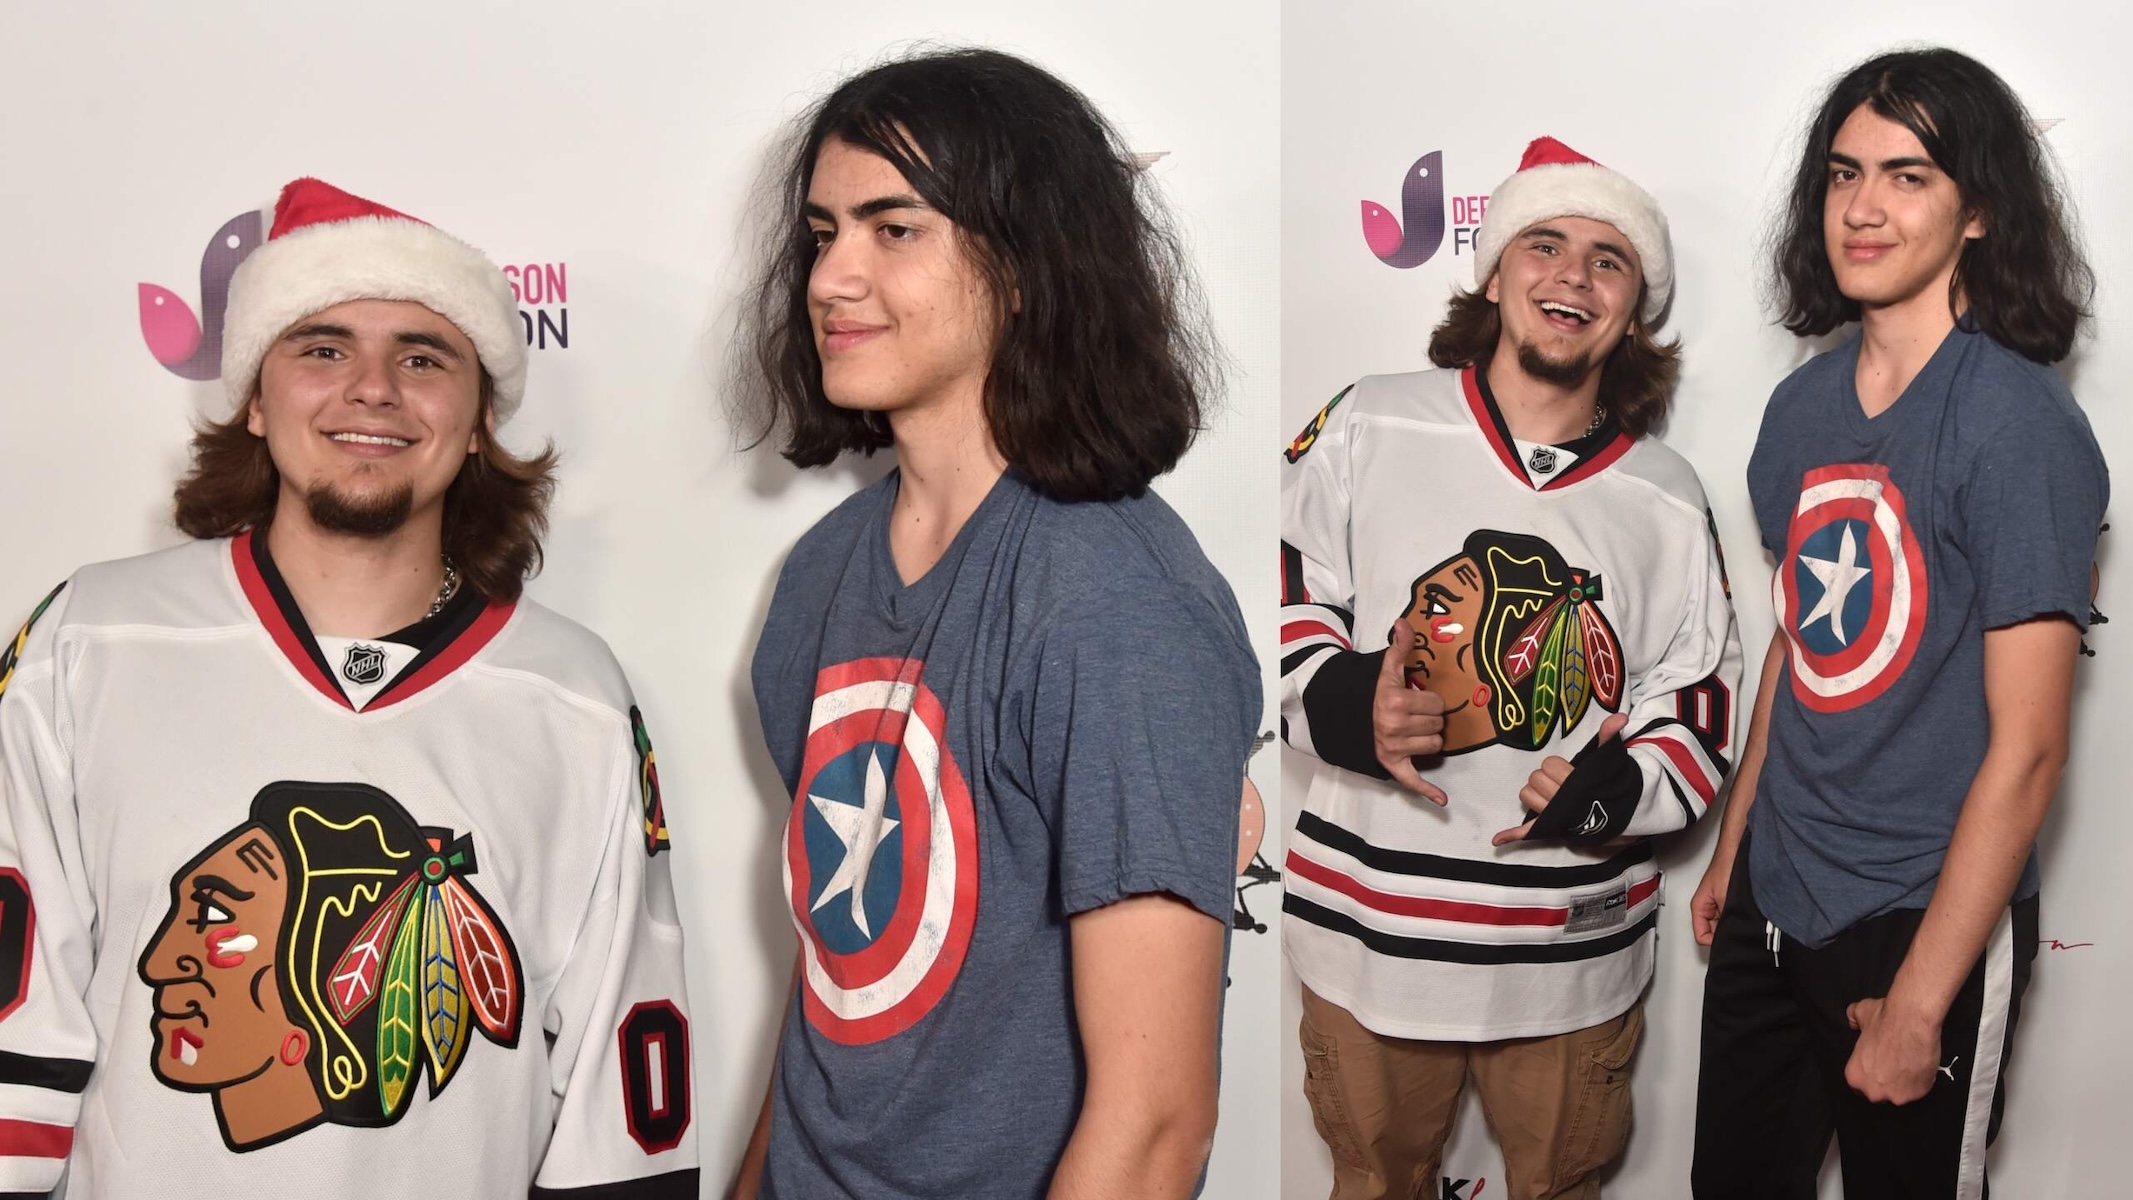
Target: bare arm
1710,898
2029,688
1147,977
749,1180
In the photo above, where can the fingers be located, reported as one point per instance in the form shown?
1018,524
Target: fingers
1531,797
1613,726
1855,1013
1512,835
1405,774
1393,670
1704,909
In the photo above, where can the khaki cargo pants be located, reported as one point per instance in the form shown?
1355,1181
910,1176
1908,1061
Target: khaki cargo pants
1559,1106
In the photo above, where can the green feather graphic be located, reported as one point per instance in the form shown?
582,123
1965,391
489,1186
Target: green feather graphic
1546,678
398,1004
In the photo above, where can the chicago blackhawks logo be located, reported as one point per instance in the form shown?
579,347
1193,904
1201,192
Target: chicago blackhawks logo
654,807
1851,591
320,959
1513,639
881,853
11,650
1309,437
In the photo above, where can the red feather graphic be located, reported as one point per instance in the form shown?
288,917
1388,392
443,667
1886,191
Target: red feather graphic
486,965
1524,654
1603,655
354,982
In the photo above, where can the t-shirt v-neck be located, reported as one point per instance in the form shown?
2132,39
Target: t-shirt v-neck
905,603
367,668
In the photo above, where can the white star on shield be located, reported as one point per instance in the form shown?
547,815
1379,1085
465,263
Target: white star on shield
861,829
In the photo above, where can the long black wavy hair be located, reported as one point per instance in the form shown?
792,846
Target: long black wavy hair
2026,281
1099,382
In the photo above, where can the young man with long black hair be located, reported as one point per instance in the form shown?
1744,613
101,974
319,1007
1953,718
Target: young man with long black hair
1932,496
1010,698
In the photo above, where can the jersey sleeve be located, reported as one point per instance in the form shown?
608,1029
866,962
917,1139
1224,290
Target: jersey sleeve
1326,684
1682,715
47,1042
1138,742
620,1060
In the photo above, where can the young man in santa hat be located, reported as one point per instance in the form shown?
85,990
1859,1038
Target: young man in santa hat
330,864
1471,891
1932,493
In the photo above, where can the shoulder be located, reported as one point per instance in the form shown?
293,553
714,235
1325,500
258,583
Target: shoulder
1084,548
189,586
2012,397
1660,466
1435,397
1813,380
833,536
565,656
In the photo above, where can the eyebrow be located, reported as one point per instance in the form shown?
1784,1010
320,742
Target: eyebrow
1553,234
216,883
1907,162
428,341
317,329
406,337
868,208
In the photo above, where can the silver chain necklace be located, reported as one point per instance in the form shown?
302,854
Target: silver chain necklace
1599,417
445,591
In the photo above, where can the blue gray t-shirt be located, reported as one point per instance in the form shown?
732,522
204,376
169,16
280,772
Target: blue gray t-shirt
1055,717
1971,503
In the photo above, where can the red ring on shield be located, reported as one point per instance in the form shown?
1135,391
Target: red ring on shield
1876,655
885,987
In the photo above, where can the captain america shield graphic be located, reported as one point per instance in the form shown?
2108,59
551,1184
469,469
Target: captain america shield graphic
881,853
1852,587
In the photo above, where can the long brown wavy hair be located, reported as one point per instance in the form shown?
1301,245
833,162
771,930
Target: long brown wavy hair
494,513
1636,381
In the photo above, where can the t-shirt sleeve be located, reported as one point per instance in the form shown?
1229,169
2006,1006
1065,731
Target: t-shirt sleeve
1773,483
2031,512
1141,719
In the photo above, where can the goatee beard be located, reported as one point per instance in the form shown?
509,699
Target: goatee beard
378,515
1560,372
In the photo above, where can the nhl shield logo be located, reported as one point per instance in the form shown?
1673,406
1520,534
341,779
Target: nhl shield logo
365,665
1542,461
1851,591
881,856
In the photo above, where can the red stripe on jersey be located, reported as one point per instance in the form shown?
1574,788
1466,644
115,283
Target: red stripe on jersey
463,647
1685,762
1599,462
34,1139
1467,911
1480,408
1303,629
277,626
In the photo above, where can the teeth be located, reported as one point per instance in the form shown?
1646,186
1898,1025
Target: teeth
367,440
1557,307
243,943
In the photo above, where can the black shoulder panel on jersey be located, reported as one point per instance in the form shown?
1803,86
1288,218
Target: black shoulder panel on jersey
674,1185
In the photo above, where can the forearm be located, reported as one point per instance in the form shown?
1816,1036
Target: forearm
1733,822
1123,1151
2005,806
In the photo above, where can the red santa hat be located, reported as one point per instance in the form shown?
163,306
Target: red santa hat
326,247
1553,180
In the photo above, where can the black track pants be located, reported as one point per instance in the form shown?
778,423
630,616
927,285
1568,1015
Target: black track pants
1771,1088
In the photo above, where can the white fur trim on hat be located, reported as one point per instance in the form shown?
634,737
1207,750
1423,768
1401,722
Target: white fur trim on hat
311,269
1584,189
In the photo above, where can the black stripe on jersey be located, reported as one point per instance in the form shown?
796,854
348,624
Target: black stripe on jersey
1432,866
53,1074
433,635
674,1185
1688,810
1297,658
1337,702
1292,576
1393,945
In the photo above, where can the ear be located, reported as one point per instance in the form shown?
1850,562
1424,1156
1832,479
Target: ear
1488,290
488,422
1975,229
254,420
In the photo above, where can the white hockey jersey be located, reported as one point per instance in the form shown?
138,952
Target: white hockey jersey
263,933
1546,592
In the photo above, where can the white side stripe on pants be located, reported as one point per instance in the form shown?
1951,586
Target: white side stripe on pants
1985,1062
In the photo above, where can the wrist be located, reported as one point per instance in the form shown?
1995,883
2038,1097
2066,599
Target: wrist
1908,1005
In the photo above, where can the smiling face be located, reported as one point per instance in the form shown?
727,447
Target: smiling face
1893,223
1446,608
1567,289
219,1016
368,409
903,318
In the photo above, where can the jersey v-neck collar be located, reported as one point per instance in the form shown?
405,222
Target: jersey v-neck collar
1596,451
442,643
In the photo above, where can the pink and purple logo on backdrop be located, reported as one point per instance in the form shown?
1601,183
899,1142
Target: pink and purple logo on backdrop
190,346
1415,236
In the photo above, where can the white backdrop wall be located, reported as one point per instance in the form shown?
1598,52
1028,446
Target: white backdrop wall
607,150
1702,104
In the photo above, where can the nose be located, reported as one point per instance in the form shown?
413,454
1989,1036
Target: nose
1570,270
164,964
373,381
839,272
1863,209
